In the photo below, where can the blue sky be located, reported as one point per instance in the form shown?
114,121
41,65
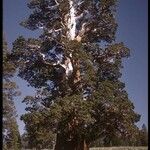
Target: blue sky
132,18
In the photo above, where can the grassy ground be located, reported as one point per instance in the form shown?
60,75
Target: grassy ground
108,148
119,148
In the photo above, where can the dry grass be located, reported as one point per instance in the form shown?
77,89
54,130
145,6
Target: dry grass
119,148
108,148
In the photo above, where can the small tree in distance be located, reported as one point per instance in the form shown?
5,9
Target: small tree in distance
143,136
80,97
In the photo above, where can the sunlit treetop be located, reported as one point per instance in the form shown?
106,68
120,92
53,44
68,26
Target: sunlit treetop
89,20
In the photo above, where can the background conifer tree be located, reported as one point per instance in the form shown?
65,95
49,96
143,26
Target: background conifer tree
11,136
143,136
80,97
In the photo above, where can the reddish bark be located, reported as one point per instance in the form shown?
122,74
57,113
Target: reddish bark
71,140
73,144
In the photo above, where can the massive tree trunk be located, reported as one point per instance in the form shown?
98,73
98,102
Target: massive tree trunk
75,78
71,141
74,144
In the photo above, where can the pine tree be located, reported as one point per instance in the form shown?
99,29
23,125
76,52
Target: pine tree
11,136
143,136
25,141
80,97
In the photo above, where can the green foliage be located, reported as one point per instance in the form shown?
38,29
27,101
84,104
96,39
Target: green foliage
11,136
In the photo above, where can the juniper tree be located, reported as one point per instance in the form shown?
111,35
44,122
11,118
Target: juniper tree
80,96
11,136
